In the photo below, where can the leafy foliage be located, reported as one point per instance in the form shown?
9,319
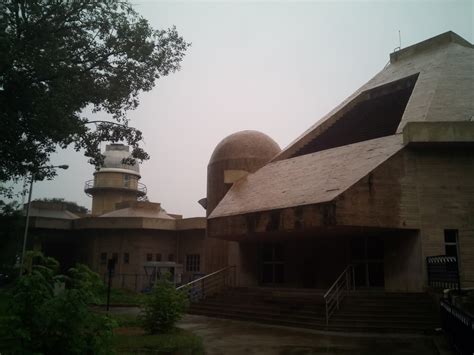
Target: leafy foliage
70,205
163,308
12,224
58,58
44,318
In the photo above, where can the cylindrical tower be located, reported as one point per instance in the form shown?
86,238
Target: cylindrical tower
114,182
235,156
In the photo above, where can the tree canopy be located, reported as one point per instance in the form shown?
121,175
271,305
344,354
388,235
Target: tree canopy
58,58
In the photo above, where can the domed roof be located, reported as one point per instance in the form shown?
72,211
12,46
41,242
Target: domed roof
113,157
245,144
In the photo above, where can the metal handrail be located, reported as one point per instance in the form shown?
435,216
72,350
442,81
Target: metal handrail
336,293
211,284
90,184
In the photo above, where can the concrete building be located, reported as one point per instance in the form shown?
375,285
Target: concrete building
122,226
382,182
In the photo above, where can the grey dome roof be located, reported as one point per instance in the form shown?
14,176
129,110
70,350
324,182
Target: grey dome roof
139,209
114,155
245,144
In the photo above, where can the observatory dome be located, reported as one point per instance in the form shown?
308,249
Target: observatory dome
245,145
114,155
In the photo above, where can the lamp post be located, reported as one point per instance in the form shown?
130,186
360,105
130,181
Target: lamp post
25,235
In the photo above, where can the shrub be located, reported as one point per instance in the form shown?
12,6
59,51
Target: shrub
42,318
163,307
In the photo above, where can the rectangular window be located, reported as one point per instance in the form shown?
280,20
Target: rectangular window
126,180
193,262
115,257
126,258
158,257
171,257
149,257
451,242
103,258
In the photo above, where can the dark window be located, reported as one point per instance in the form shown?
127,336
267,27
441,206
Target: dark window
158,257
115,257
149,257
451,242
126,180
360,120
171,257
193,262
103,258
126,258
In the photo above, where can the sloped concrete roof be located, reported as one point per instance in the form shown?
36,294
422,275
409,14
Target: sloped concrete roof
444,90
307,179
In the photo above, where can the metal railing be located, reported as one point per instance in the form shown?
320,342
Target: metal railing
211,284
336,293
90,184
443,271
458,327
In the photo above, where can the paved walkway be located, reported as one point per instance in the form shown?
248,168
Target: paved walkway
222,336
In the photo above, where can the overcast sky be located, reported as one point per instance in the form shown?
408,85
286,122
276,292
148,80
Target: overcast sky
275,67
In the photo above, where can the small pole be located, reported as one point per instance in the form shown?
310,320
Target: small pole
110,267
25,235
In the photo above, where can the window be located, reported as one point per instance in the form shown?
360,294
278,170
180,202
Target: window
126,258
360,119
115,257
193,262
126,180
158,257
451,242
103,258
171,257
149,257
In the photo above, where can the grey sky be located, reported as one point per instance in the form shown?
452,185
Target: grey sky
276,67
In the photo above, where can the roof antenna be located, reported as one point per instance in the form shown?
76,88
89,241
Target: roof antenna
399,42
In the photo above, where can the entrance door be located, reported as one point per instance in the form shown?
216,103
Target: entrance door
272,264
367,255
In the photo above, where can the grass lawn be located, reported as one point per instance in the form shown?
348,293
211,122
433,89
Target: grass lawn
122,297
133,340
130,338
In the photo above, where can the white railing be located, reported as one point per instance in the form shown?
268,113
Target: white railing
211,284
336,293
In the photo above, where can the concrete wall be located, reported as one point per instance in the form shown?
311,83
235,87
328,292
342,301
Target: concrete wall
426,189
104,201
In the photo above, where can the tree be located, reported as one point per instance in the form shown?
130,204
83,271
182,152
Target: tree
58,58
44,318
70,205
163,307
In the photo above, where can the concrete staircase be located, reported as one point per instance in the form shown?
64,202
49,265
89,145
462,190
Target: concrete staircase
361,311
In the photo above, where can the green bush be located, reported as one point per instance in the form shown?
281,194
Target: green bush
163,307
43,318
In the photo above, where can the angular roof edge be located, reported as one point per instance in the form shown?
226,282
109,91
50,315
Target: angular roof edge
447,37
397,70
307,179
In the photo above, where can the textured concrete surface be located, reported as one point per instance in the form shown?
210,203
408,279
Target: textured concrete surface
233,337
222,336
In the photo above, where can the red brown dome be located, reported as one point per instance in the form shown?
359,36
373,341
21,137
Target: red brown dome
245,144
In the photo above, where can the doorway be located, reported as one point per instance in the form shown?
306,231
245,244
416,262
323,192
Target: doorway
367,256
272,264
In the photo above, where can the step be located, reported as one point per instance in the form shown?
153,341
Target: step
341,326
